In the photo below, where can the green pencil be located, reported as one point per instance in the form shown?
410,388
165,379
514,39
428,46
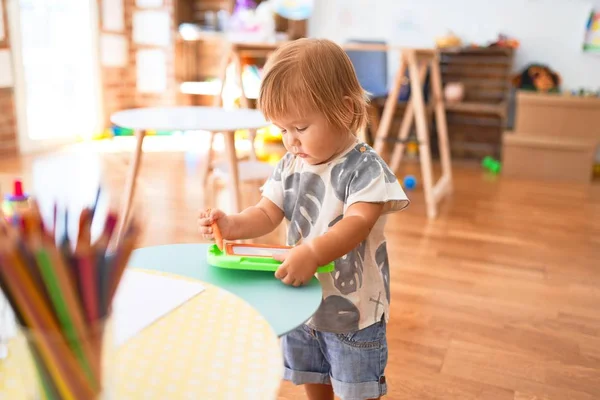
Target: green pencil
60,307
56,292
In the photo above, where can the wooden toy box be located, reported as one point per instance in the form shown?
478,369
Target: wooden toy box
555,138
543,158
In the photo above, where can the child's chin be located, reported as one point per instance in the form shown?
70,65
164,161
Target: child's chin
312,161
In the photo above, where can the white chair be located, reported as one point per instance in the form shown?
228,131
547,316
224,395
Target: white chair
252,175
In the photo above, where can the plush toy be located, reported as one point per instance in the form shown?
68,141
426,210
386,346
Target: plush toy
538,78
454,92
505,41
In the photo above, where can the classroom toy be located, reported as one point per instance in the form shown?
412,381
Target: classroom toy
505,41
253,257
491,164
410,182
15,202
584,92
454,92
538,78
447,41
295,10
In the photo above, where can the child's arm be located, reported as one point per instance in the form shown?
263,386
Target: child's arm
256,221
253,222
301,263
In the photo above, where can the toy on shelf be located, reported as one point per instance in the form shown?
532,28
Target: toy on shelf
449,40
491,164
295,10
252,22
538,78
583,92
505,41
410,182
454,92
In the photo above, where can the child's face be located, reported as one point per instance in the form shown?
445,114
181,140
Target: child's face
312,138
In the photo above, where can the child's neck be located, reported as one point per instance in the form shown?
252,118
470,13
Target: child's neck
348,140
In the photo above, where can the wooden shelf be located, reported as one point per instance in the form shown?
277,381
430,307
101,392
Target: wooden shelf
479,108
475,124
199,60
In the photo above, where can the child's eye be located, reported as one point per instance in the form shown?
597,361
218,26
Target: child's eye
301,129
283,131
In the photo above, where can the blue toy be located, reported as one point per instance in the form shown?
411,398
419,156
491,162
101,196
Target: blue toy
410,182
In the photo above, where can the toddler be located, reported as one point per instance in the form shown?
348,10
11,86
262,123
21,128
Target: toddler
334,191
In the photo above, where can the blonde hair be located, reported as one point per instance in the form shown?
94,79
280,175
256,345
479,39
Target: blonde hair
313,75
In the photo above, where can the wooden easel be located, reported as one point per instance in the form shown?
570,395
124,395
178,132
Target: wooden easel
417,61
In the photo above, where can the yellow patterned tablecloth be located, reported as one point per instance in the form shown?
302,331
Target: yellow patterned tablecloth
215,346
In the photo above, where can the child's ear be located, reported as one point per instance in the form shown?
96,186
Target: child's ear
348,104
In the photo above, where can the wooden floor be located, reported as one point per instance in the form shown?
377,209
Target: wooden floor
498,298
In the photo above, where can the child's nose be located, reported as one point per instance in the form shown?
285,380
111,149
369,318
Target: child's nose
293,141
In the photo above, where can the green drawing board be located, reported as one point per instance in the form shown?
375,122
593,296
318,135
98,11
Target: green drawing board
218,258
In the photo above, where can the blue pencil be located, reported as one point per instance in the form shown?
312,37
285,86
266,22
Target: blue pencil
96,201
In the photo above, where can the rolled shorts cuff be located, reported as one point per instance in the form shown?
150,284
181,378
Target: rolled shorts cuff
303,377
344,390
359,391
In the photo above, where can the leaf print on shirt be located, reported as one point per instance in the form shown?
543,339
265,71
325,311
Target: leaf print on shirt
390,177
348,273
337,314
355,172
302,201
382,260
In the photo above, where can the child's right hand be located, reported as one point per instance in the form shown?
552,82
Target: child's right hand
208,217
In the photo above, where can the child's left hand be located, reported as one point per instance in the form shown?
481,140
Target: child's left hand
298,267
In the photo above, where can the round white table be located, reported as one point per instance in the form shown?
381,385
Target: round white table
187,118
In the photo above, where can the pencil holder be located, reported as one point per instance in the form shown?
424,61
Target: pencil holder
7,325
61,289
55,366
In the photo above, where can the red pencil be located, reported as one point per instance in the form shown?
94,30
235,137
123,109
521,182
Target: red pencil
67,373
86,267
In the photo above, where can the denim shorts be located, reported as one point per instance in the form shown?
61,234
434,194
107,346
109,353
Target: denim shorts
353,363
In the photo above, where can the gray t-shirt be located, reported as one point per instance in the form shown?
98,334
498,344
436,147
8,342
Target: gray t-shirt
313,199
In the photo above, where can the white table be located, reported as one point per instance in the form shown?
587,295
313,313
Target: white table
187,118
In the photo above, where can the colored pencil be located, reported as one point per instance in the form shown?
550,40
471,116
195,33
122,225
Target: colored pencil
96,201
54,218
86,269
74,322
68,376
99,250
62,295
48,385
